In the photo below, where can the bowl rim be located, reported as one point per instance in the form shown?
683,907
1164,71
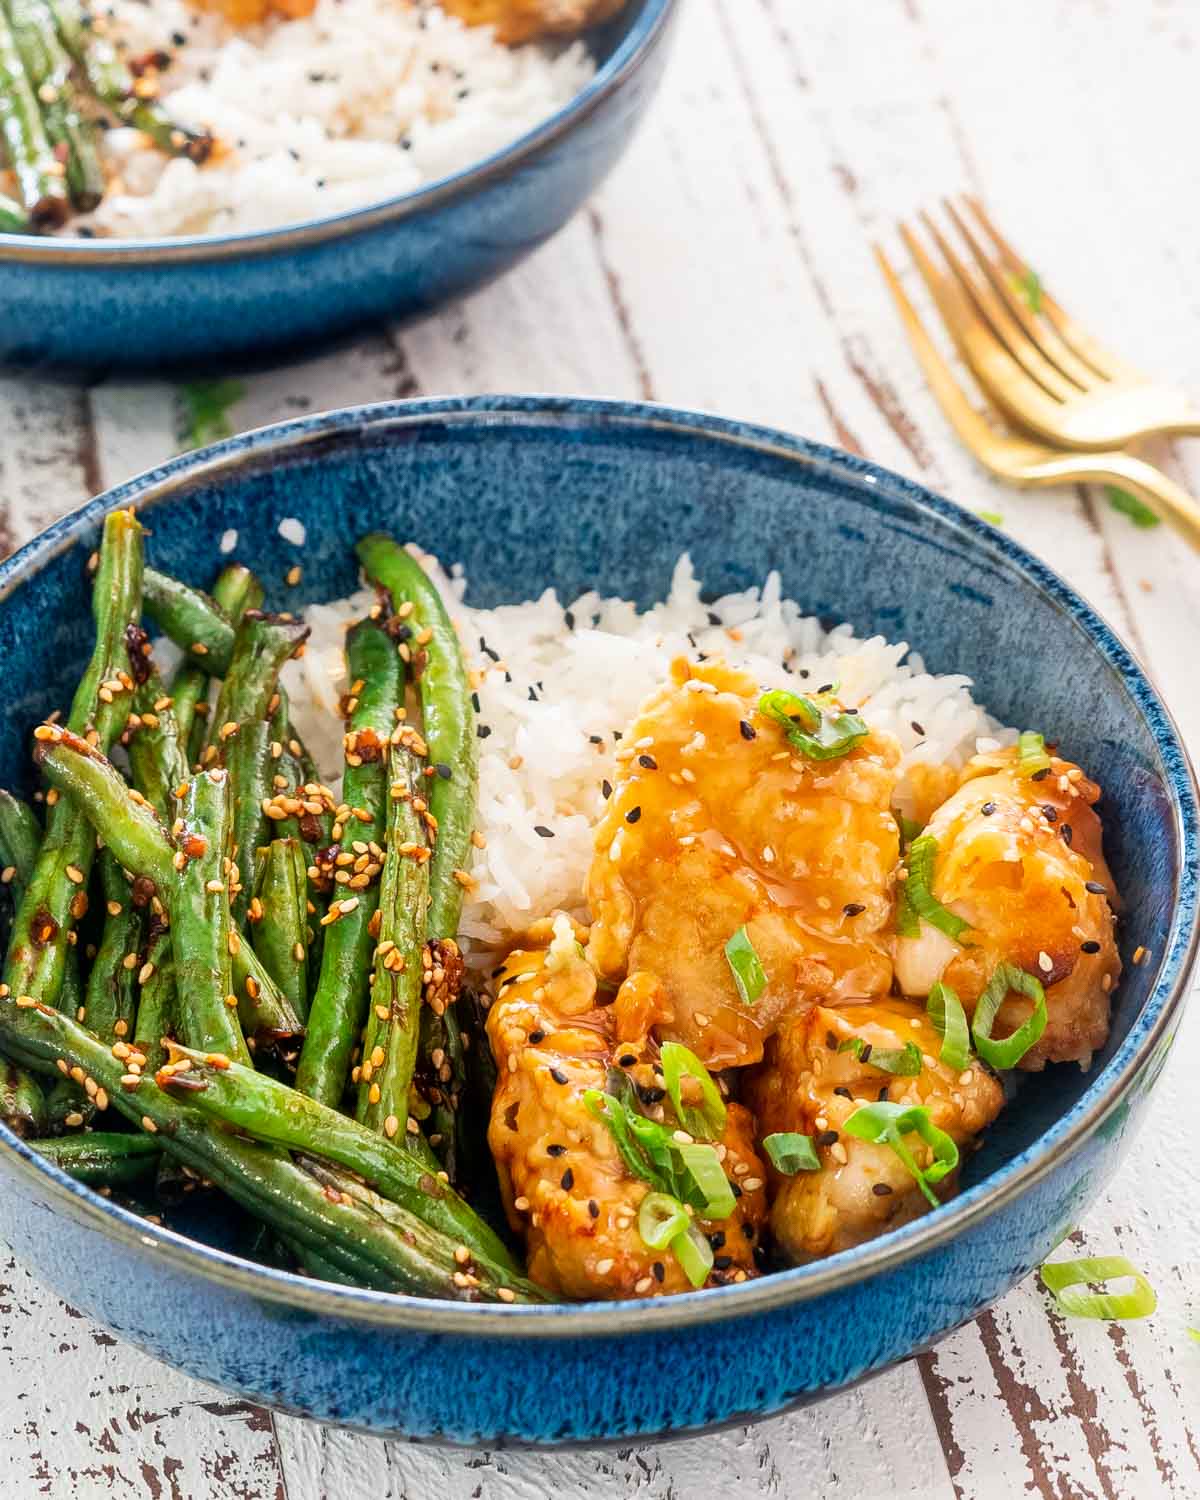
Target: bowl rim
640,42
401,1312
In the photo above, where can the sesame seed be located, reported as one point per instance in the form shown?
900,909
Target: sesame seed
1089,947
633,814
643,1284
881,1190
148,1124
1045,962
603,1267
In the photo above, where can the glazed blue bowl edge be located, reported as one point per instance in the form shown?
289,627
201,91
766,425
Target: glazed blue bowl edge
477,479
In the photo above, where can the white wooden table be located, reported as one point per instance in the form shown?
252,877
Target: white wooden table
726,266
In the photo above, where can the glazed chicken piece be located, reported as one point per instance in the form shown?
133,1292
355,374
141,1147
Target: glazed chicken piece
244,13
716,823
808,1085
1020,859
565,1185
527,20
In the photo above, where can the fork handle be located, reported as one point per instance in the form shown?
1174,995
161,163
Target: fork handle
1167,499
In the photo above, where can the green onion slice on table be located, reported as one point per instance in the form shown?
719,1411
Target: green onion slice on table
1065,1277
818,732
887,1124
1007,1053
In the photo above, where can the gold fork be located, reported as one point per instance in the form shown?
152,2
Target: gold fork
1024,461
1037,363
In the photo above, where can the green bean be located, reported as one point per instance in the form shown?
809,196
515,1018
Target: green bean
263,1009
262,644
110,1004
113,84
13,218
20,840
339,1004
390,1044
270,1111
248,758
67,1107
156,1001
41,183
200,923
189,617
37,946
48,69
157,749
22,1103
235,591
280,921
103,1158
387,1250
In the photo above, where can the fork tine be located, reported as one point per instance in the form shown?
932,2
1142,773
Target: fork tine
993,366
974,431
1040,332
1027,354
1078,339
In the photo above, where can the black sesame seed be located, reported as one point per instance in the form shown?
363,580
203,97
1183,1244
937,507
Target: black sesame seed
717,1239
617,735
556,1150
508,676
537,1036
606,789
881,1190
647,762
558,1075
737,1192
917,728
826,687
567,1180
542,831
475,702
723,1262
843,1093
1096,888
633,814
1040,775
593,1208
831,1041
443,770
627,1060
483,730
803,672
1067,833
853,908
569,619
747,1229
533,697
1089,947
650,1094
487,650
748,730
827,1138
865,1052
595,739
659,1270
713,619
883,1094
988,809
1049,813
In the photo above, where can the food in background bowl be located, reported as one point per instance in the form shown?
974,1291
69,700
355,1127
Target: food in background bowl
147,120
697,941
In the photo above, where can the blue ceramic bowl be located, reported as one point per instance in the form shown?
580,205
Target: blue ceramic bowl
142,304
528,492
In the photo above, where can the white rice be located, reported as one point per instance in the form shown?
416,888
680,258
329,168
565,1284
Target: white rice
547,751
359,101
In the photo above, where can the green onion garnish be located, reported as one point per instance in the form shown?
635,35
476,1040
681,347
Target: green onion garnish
790,1152
694,1254
708,1121
813,730
204,410
1129,505
1008,1052
691,1172
660,1219
1062,1276
949,1020
916,899
745,966
903,1062
886,1125
992,517
909,827
1031,753
1028,286
1193,1333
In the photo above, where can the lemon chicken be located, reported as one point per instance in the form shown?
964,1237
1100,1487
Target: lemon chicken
1017,857
717,825
818,1074
567,1184
518,21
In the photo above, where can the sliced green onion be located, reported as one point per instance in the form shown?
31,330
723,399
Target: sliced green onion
908,924
745,966
1193,1333
917,898
886,1124
1062,1276
1008,1052
703,1166
909,827
694,1254
903,1062
814,731
992,517
1126,504
949,1020
708,1121
790,1152
660,1219
1031,753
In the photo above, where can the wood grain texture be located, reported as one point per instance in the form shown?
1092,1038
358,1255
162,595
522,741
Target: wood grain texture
726,265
